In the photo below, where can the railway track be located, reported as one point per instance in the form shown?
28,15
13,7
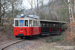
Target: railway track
2,47
7,45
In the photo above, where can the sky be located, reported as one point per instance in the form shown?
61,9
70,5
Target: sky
26,4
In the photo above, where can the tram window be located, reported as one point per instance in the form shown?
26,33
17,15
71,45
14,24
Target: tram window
21,22
37,23
54,25
47,25
57,25
34,23
51,25
16,22
26,22
43,24
30,23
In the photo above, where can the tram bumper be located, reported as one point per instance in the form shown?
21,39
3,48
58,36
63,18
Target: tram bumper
20,35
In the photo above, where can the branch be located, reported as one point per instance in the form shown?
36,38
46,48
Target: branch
29,2
65,2
2,4
2,14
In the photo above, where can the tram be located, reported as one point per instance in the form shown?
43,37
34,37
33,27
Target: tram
31,25
26,26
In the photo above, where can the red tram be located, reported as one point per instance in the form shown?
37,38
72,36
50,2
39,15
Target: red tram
26,27
33,26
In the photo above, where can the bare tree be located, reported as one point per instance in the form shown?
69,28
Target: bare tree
37,7
31,3
70,10
0,11
42,4
12,9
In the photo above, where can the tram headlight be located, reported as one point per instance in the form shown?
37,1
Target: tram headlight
21,28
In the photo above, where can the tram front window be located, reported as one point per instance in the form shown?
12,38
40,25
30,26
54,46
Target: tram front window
26,22
21,23
30,23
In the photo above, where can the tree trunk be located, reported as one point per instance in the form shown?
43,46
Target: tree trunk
0,11
4,13
32,6
37,7
49,10
12,15
43,10
12,10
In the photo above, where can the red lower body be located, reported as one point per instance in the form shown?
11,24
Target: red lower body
26,31
30,31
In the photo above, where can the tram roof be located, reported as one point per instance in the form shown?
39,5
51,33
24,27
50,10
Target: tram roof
54,21
26,18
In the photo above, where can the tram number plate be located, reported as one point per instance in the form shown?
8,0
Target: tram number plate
21,31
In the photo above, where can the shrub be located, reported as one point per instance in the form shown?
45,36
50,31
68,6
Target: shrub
58,38
74,39
48,41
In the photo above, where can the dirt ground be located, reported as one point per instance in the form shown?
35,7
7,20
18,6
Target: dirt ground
40,43
6,37
49,46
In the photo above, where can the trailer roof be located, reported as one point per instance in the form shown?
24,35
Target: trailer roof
54,21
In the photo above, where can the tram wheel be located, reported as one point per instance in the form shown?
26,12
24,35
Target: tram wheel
21,37
16,36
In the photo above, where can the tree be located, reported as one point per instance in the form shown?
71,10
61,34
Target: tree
31,3
14,2
71,24
0,11
8,7
37,7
